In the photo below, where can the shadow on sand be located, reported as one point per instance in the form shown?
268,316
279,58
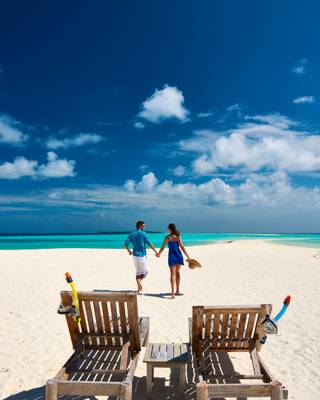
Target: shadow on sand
163,295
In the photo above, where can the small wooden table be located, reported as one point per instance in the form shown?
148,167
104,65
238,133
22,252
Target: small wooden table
166,355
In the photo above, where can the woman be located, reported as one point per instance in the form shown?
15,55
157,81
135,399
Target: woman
175,258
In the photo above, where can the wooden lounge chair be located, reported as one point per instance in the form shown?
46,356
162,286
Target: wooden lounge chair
106,347
216,331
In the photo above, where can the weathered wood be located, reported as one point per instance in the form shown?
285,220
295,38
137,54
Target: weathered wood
134,322
234,329
114,321
105,329
126,391
255,361
144,326
106,319
51,390
276,390
149,380
202,391
237,376
166,355
100,371
124,355
91,327
98,316
239,390
89,388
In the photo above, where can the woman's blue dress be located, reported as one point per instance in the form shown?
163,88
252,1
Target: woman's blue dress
175,256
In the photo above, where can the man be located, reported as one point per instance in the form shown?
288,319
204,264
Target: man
139,240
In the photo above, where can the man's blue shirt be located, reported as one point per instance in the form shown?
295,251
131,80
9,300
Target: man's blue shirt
139,240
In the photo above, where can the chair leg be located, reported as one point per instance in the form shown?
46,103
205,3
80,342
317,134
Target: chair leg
51,390
149,380
202,391
126,391
276,391
182,380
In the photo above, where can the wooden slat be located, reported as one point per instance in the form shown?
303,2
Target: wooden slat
87,306
233,329
144,326
163,352
207,324
83,323
170,350
197,313
176,351
134,323
114,321
242,323
123,319
124,355
239,390
98,317
224,330
250,327
147,354
155,351
231,309
216,325
106,320
88,388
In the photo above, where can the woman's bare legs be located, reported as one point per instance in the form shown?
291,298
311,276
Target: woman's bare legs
173,281
178,278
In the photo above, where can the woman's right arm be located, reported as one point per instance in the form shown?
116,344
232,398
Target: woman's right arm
163,246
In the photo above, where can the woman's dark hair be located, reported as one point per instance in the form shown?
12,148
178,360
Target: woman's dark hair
173,229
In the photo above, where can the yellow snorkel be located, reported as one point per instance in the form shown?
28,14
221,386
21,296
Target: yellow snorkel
72,310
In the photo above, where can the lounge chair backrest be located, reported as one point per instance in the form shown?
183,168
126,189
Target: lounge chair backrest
111,318
228,328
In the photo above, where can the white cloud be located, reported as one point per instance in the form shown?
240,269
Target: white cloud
22,167
300,67
139,125
18,168
235,108
179,170
270,142
205,114
270,190
304,100
10,131
56,168
79,140
164,104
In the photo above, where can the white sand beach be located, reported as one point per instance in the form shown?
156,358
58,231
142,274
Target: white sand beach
34,341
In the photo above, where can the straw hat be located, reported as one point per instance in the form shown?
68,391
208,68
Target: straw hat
194,263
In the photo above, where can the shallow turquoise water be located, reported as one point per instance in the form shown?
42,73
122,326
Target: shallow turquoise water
115,241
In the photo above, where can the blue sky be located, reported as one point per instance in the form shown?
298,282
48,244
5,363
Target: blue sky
203,113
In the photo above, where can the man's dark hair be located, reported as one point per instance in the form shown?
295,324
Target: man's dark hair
139,223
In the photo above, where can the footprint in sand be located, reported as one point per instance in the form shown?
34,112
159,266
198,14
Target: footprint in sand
3,370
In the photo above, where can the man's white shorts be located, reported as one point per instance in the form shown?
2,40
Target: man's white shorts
141,265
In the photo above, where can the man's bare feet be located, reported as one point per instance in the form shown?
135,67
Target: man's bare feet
173,296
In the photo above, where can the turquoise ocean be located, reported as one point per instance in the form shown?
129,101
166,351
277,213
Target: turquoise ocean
115,241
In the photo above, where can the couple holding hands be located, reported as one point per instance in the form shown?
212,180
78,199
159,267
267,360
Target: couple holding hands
139,240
